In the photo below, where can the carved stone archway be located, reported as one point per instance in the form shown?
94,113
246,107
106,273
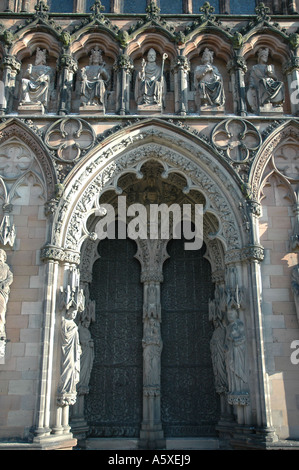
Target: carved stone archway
151,253
232,251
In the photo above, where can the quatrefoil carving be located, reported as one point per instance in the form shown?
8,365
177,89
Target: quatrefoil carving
237,138
70,138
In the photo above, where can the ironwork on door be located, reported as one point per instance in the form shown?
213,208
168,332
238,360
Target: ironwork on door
189,404
114,404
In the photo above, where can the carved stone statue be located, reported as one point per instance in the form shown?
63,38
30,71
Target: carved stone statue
94,80
235,344
73,301
264,88
150,86
152,347
208,83
6,278
87,346
217,346
37,83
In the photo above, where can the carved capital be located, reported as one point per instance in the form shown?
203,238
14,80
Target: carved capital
291,65
67,61
242,399
182,63
237,63
253,253
124,62
254,208
52,253
151,254
10,61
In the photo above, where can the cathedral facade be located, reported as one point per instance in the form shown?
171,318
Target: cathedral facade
115,338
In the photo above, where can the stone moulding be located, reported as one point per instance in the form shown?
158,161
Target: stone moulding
103,170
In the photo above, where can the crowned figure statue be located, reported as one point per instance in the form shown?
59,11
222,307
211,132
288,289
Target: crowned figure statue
208,83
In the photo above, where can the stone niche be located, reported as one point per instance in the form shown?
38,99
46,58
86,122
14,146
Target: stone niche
35,91
95,83
209,83
148,107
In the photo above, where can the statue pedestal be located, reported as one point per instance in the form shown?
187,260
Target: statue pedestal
149,109
269,109
91,109
31,108
208,110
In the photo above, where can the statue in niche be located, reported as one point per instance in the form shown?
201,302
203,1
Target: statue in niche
73,301
264,88
37,83
87,345
217,346
6,278
208,83
150,86
94,81
152,348
235,345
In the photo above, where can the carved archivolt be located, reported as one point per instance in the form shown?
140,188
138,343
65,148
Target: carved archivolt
103,170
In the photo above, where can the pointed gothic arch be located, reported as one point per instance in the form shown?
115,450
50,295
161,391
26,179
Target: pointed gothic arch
18,130
289,128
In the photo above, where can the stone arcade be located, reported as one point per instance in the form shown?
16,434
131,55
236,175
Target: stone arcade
140,343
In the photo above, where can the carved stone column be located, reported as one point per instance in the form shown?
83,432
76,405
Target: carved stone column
237,69
52,418
252,256
124,68
67,67
151,254
11,67
181,70
51,256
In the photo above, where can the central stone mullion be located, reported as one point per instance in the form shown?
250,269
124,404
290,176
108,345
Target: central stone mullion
151,434
152,254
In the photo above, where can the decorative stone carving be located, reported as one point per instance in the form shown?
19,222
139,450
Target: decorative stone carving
37,85
217,344
228,343
94,80
235,343
235,359
67,66
70,139
152,348
6,278
239,139
72,301
124,68
171,160
7,228
87,316
266,93
208,84
11,67
150,86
